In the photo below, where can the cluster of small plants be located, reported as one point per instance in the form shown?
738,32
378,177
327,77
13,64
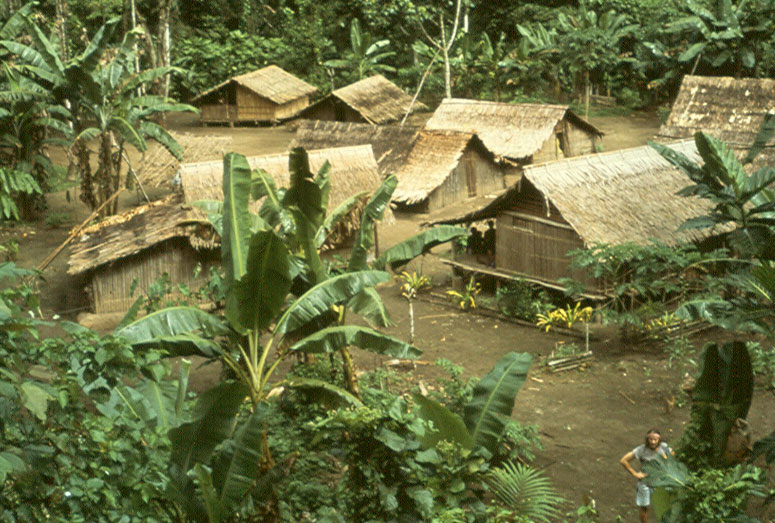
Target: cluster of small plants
522,301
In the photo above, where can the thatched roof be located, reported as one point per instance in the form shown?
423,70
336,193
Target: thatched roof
159,167
376,99
510,131
433,158
391,143
731,109
353,170
614,197
271,82
133,231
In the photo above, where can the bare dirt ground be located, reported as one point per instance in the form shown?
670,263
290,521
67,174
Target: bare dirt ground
588,418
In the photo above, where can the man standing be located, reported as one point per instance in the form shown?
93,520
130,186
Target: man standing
652,448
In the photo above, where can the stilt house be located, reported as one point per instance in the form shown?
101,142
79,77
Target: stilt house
266,95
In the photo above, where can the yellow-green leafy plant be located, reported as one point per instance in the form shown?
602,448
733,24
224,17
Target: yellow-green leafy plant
466,299
567,317
412,284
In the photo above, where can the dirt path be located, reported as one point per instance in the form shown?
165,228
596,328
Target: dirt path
588,419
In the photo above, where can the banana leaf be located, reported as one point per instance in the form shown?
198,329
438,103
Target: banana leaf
255,301
335,216
369,305
404,252
236,216
324,392
332,339
766,131
486,414
372,213
446,424
180,330
320,298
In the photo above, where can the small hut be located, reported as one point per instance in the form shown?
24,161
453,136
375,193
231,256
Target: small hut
730,109
616,197
141,245
391,143
443,168
519,134
353,170
374,100
266,95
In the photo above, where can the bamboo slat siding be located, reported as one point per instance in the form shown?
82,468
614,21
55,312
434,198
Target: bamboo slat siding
474,175
110,284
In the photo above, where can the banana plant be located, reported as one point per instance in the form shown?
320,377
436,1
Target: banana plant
485,416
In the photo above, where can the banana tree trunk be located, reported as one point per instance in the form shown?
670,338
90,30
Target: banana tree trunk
411,322
348,368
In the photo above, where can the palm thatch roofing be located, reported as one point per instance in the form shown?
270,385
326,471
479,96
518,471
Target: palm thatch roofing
431,161
271,82
615,197
353,170
376,99
159,167
730,109
135,230
509,131
391,143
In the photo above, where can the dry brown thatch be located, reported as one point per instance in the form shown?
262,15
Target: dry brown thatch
731,109
133,231
271,82
353,170
509,131
391,143
433,158
614,197
377,100
159,167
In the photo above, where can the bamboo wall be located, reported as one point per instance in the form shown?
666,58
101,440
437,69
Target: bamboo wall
566,141
333,110
550,150
472,167
221,113
249,107
581,142
536,247
110,285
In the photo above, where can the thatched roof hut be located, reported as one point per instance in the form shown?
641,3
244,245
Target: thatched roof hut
445,167
353,170
266,95
615,197
141,245
375,100
730,109
391,143
519,133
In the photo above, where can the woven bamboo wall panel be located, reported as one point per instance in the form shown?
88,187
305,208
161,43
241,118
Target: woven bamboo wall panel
218,113
487,178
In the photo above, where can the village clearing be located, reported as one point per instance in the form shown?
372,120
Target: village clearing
587,418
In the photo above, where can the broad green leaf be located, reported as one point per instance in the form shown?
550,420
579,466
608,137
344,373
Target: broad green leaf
241,470
319,299
212,422
34,399
369,305
721,161
372,213
324,392
667,473
182,330
493,398
334,217
404,252
258,297
332,339
9,463
692,52
446,424
161,135
236,216
323,180
216,512
678,160
765,134
16,23
127,132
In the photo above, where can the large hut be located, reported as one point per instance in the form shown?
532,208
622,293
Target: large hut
266,95
615,197
730,109
519,134
352,169
391,143
443,168
137,247
375,100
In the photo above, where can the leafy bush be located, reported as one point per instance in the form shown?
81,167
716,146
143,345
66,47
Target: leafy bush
520,300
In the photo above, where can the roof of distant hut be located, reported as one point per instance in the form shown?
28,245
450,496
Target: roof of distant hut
731,109
271,82
135,230
376,99
353,170
615,197
433,158
509,131
391,143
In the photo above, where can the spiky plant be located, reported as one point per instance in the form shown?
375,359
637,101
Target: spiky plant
525,491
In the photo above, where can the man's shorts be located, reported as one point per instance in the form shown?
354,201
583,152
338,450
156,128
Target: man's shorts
643,495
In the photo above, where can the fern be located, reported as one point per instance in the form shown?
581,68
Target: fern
525,491
13,182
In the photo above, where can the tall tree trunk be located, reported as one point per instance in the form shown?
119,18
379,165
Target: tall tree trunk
61,16
163,42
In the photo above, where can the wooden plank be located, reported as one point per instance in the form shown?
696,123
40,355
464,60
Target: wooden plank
531,218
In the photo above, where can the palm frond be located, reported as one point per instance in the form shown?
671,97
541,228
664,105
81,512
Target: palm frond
525,491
